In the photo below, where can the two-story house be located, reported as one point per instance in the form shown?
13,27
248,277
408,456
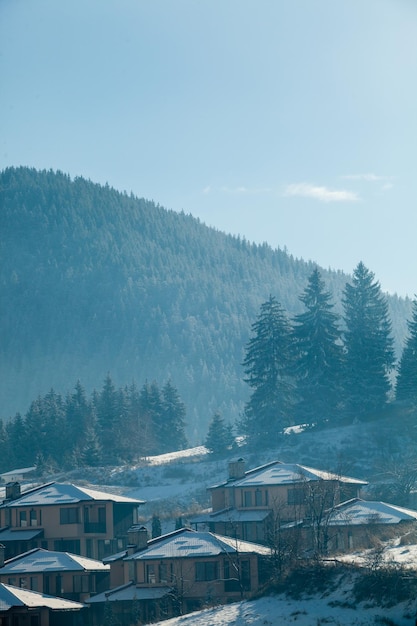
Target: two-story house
58,573
248,503
67,518
184,570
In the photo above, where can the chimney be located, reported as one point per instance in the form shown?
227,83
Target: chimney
137,538
2,551
236,469
12,491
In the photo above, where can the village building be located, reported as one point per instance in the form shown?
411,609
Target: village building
21,607
67,518
248,503
59,573
183,571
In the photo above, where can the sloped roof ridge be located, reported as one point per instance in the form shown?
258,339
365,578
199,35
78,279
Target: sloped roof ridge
22,555
263,467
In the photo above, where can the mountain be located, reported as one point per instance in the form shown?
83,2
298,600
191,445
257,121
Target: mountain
94,281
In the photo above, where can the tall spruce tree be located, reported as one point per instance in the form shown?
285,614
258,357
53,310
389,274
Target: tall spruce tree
406,386
318,354
219,437
267,366
368,344
172,431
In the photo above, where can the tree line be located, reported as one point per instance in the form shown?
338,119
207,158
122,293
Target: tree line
146,292
320,367
114,425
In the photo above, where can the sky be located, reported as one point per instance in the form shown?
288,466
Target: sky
291,122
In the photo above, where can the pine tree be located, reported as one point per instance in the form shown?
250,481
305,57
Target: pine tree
318,354
267,367
368,344
219,437
172,430
406,386
107,420
156,526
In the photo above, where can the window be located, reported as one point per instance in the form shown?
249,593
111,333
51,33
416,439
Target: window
67,545
32,517
23,583
206,570
22,518
258,497
247,498
231,578
150,574
295,496
69,515
34,583
81,583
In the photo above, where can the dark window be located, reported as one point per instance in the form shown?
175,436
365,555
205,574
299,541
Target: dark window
82,583
247,498
295,496
70,515
34,583
150,574
67,545
231,576
206,570
33,518
22,518
258,497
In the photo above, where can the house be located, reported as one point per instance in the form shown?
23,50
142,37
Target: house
21,607
359,523
65,518
248,503
17,475
65,575
185,570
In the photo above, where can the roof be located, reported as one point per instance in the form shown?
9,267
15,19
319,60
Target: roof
357,511
187,543
40,560
277,473
232,516
26,534
20,472
15,596
130,592
65,493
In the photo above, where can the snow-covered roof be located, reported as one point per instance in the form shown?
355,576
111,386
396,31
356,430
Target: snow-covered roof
359,511
129,592
18,472
40,560
187,543
15,596
65,493
277,473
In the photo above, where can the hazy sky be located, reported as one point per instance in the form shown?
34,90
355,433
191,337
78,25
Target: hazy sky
287,121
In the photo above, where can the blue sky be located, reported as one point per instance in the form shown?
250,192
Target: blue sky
287,121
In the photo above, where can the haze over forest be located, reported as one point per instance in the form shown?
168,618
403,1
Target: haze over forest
97,282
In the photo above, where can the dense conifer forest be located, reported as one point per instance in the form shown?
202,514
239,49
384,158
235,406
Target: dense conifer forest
96,283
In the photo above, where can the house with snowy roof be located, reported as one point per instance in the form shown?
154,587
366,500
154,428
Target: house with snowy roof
20,607
358,523
248,502
66,518
59,573
181,571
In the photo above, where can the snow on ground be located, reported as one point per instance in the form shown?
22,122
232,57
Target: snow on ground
161,459
281,610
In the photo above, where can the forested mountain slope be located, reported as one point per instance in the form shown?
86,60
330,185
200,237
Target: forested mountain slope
94,281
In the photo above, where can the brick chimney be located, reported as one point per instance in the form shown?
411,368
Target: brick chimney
236,469
12,491
137,538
